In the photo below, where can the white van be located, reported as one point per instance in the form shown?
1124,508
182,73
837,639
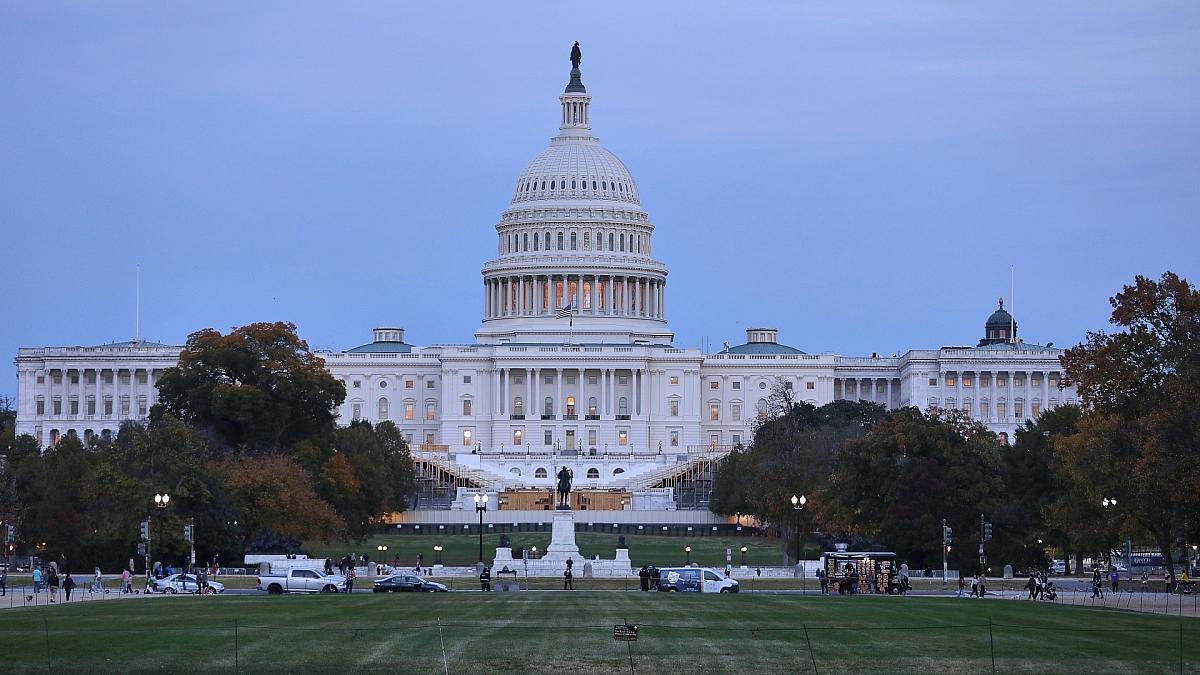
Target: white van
695,580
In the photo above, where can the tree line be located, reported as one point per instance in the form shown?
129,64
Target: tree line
245,442
1079,480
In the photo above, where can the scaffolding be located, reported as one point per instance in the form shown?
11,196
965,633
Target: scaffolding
690,480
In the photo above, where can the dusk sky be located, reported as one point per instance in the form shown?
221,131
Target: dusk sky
860,175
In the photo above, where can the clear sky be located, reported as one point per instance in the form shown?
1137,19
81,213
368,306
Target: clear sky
860,175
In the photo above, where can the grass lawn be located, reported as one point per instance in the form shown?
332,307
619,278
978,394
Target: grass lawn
572,632
463,549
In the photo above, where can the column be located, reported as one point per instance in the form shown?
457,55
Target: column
1028,390
609,294
537,394
578,292
958,389
1011,405
558,406
991,396
487,300
635,401
627,306
1045,389
612,391
594,295
888,402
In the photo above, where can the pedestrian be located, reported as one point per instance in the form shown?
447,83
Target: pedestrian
823,579
485,580
962,586
1115,577
202,581
567,576
97,582
126,581
656,578
420,561
4,580
1032,586
37,579
350,579
982,585
644,578
1041,586
68,586
1097,585
53,582
975,585
570,562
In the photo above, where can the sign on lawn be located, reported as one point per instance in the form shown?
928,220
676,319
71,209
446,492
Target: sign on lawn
624,632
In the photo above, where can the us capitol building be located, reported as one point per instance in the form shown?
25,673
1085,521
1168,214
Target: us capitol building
574,361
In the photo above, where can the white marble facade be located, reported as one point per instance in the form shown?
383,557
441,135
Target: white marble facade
608,378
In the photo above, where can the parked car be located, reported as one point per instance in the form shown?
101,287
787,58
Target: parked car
695,580
401,583
301,580
1058,567
183,583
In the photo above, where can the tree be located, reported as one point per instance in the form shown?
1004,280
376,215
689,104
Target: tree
369,473
731,486
1140,388
258,388
272,493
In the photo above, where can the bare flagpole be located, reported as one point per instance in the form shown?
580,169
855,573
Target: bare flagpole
137,326
1012,303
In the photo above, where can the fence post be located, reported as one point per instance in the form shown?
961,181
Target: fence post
992,645
236,665
811,655
46,628
1181,648
442,641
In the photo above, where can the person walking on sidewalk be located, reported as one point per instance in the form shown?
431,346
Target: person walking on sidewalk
1097,585
53,584
962,586
68,586
4,581
350,578
1115,577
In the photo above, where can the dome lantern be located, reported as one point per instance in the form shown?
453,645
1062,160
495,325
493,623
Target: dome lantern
1000,327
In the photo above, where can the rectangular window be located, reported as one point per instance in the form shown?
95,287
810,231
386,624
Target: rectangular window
1001,409
983,410
622,437
91,408
737,385
674,439
431,411
41,407
967,408
518,436
409,384
674,379
357,384
673,405
408,410
466,379
466,407
967,381
622,379
547,437
1019,409
355,411
429,438
467,437
1036,381
518,379
560,241
592,379
570,379
58,407
736,411
1035,408
41,379
1018,381
810,385
714,385
737,439
949,380
933,381
108,406
429,384
74,407
714,440
408,438
714,412
591,437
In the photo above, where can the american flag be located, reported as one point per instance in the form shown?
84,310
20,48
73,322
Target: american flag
564,313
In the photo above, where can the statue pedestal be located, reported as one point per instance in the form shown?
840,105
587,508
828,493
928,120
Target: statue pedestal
562,538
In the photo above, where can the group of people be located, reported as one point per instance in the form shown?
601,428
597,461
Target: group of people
648,578
1041,587
978,585
46,578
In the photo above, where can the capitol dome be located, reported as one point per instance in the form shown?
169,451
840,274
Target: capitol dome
574,261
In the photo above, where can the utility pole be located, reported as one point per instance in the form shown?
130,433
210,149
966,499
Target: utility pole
985,534
947,537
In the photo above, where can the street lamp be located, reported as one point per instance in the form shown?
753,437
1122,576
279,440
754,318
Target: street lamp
798,506
160,501
437,550
1108,503
382,551
688,551
743,556
481,501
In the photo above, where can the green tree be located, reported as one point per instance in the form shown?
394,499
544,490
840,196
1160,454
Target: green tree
258,388
1140,387
369,473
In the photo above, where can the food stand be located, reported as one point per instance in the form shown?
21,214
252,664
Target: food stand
876,570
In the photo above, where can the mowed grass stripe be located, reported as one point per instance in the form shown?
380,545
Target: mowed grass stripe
557,632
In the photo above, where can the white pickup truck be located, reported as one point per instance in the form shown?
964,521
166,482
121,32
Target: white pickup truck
298,580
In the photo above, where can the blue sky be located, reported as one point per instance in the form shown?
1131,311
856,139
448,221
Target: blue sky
861,175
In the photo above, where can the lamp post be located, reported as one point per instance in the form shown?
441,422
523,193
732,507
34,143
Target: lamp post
688,551
743,556
481,501
437,551
1108,504
798,506
381,550
160,502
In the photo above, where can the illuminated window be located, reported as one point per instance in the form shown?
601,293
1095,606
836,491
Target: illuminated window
673,406
429,438
967,380
1019,408
570,405
355,410
409,411
949,380
1001,409
518,436
714,385
674,379
622,437
1035,408
466,407
674,439
467,435
714,412
518,406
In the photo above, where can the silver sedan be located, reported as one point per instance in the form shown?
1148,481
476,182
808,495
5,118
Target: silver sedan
184,583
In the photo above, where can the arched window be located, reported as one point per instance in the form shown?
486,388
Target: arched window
603,185
592,406
570,405
623,406
560,241
518,406
572,185
383,409
610,242
539,472
106,435
622,241
526,242
593,185
552,186
515,471
543,185
549,407
618,471
593,472
547,241
572,240
535,241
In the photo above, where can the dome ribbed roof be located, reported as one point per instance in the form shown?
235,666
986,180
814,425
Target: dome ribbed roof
575,168
999,318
